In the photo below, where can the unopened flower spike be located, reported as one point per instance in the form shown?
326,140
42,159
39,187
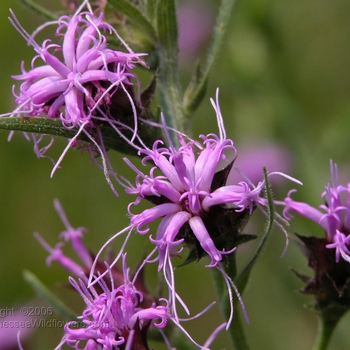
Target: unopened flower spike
82,82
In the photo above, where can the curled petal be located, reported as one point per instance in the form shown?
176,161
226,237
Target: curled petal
152,214
303,209
205,240
340,245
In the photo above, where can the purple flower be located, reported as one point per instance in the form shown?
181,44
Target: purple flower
185,191
193,202
77,79
75,237
120,310
81,81
114,317
333,216
191,198
328,256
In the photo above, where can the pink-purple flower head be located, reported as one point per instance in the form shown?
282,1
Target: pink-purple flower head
187,189
195,206
114,317
333,216
76,80
193,201
80,81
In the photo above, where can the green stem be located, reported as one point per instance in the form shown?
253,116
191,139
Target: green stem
324,333
235,330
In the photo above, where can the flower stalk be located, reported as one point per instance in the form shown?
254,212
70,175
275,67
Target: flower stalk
324,332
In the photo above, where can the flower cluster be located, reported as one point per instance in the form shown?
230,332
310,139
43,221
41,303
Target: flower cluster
113,319
87,86
84,80
189,196
81,81
328,256
119,310
333,216
186,191
196,206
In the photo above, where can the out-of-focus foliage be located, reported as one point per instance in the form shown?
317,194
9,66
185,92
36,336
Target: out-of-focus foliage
284,79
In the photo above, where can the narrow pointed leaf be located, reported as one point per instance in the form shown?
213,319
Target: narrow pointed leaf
151,9
39,10
54,127
196,89
170,89
242,278
135,15
59,307
167,29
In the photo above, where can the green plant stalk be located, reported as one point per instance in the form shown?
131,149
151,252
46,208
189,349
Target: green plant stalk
324,333
240,279
40,125
136,16
235,330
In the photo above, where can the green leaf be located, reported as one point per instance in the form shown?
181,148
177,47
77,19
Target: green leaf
54,127
36,125
170,88
242,278
167,29
195,90
136,16
60,308
36,8
151,9
236,330
197,87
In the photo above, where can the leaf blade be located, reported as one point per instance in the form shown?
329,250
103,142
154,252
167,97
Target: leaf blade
197,87
242,278
61,309
170,88
128,9
54,127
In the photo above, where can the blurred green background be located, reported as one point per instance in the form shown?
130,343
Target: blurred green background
284,79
